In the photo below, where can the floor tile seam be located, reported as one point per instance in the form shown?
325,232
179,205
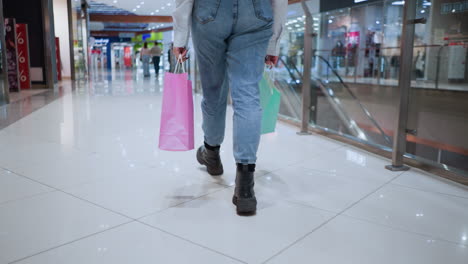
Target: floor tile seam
184,202
327,149
312,156
54,189
325,223
30,179
311,207
327,172
291,164
73,241
46,140
98,205
281,251
325,152
13,170
27,197
47,185
403,230
368,195
190,241
428,191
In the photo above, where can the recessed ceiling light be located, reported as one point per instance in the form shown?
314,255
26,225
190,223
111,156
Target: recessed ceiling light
138,6
152,13
142,3
168,4
115,1
134,10
163,8
157,11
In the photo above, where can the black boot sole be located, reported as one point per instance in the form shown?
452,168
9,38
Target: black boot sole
212,172
245,207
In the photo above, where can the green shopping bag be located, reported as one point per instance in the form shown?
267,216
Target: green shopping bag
270,99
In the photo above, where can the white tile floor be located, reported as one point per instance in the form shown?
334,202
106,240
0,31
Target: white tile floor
83,182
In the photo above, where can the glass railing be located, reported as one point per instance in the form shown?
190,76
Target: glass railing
355,78
353,116
438,102
337,107
288,80
3,70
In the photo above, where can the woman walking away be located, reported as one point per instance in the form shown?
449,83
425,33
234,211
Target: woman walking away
233,39
156,52
145,58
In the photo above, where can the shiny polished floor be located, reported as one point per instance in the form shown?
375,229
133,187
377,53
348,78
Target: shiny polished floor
82,181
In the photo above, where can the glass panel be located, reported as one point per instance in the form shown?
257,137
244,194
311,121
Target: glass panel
3,73
354,95
288,74
438,110
79,41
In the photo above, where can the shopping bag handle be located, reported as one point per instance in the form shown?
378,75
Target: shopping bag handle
180,65
270,76
270,73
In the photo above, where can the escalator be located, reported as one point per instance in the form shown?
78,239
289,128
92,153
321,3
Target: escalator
335,107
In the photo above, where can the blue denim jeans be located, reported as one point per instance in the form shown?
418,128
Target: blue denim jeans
231,39
146,60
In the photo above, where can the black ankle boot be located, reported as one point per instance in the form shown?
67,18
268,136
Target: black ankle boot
209,156
244,195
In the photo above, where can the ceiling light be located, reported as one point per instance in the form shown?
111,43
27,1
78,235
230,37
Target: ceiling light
142,3
138,6
115,1
134,10
157,11
152,13
163,8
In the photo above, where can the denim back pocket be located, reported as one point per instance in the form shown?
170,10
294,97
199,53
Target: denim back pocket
263,10
206,10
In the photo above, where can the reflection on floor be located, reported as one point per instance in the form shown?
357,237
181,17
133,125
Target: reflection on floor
83,182
17,96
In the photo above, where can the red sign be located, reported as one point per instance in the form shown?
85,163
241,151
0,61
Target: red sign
128,56
11,52
354,38
23,56
58,59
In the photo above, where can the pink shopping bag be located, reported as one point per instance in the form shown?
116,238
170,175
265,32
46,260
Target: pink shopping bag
177,127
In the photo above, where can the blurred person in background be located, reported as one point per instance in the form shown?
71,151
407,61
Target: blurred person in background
156,52
145,54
